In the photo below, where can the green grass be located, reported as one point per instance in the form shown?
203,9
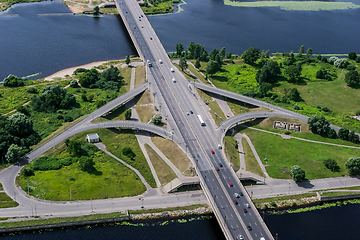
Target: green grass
111,180
338,194
116,140
173,153
163,171
6,201
1,186
236,106
282,198
60,220
232,154
197,74
162,7
157,210
250,161
140,76
219,116
282,154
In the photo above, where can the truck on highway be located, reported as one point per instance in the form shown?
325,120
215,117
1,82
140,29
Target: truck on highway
201,120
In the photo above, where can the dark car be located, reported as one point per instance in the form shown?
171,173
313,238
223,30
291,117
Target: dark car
150,38
241,194
191,112
217,169
244,209
235,201
220,164
249,227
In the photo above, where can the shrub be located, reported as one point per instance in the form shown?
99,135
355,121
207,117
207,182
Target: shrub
357,59
287,132
127,151
273,204
86,164
74,84
68,119
32,90
23,110
344,134
352,55
27,172
13,81
331,164
357,113
339,63
353,166
297,173
80,70
156,120
100,103
296,107
46,163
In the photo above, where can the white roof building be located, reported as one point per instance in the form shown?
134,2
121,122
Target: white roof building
93,138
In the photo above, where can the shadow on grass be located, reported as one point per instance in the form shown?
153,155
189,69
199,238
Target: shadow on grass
220,78
94,171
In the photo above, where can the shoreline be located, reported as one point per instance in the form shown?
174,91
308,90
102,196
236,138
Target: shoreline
69,71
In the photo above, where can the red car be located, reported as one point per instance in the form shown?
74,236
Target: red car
244,209
235,202
217,169
230,184
212,151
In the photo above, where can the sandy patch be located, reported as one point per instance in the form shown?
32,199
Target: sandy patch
69,71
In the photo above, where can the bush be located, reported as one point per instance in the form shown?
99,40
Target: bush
331,164
68,119
86,164
23,110
156,120
352,55
352,78
287,132
13,81
344,134
27,172
296,107
100,103
46,163
32,90
273,204
353,166
297,173
74,84
357,59
339,63
80,70
127,151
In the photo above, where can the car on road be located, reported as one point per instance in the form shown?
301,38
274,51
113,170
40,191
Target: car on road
247,205
244,209
141,15
150,38
172,70
142,26
230,184
249,227
174,81
139,19
236,195
241,194
191,112
160,61
212,151
217,169
235,201
262,238
220,164
239,237
187,113
149,63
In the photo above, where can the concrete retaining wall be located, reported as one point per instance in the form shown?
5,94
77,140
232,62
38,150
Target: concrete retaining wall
345,197
64,224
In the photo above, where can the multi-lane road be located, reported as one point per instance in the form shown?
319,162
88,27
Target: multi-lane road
200,140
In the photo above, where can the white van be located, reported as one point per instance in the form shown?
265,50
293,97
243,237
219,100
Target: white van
172,70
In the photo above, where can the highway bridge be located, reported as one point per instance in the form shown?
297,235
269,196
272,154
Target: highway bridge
219,186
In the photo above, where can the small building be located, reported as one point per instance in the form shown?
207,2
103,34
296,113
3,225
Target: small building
93,138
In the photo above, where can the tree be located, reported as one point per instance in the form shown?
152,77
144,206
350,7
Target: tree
19,125
127,151
331,164
353,137
213,54
182,63
352,55
353,166
265,88
352,78
267,53
96,10
319,125
84,97
343,134
268,73
13,81
197,63
251,55
293,72
74,148
301,50
212,67
13,153
74,84
205,56
128,114
331,133
309,52
297,173
111,74
179,49
191,50
127,60
295,95
222,53
86,164
156,120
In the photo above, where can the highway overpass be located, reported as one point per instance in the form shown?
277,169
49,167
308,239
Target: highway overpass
200,141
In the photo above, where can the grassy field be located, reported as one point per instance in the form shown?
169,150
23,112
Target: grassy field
116,140
250,161
282,154
145,113
197,74
161,7
59,220
6,201
145,98
163,171
267,124
110,180
336,194
174,154
219,116
231,152
157,210
139,76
